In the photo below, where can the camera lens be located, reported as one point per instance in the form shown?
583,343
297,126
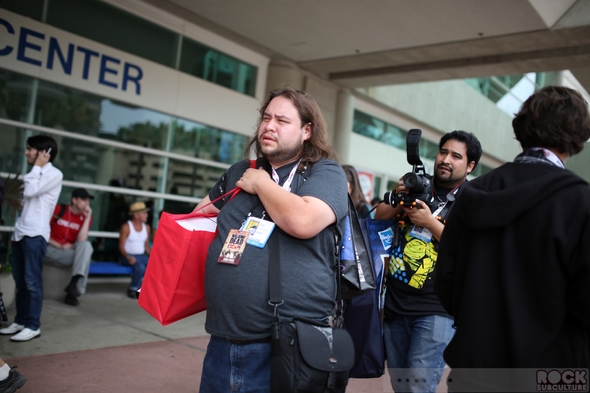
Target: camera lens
416,183
410,180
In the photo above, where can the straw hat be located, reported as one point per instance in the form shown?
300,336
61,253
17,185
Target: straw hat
138,207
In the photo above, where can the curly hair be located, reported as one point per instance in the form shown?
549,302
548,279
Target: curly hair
554,117
314,148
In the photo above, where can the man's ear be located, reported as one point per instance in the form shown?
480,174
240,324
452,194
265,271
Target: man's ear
470,167
307,130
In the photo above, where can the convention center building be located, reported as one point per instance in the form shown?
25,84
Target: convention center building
151,100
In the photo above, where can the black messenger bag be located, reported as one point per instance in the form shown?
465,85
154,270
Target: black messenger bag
305,356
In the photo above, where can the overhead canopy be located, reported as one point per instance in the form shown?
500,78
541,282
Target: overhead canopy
380,42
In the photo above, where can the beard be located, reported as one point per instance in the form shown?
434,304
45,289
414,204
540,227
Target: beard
282,154
446,179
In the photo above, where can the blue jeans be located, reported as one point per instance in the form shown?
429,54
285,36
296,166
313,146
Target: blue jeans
27,271
414,348
235,368
139,267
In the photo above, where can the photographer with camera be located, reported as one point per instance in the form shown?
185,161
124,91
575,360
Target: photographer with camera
417,328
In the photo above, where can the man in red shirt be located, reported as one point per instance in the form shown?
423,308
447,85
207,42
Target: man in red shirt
68,242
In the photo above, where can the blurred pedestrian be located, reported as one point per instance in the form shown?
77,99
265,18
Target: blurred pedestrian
361,205
10,379
68,242
42,186
134,245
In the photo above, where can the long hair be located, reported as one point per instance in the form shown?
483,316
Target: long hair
554,117
314,148
356,192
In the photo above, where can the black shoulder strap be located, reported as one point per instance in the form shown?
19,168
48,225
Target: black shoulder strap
450,199
60,214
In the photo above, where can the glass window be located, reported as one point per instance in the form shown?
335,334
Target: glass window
510,91
377,187
98,162
131,124
197,140
206,63
391,135
189,179
30,8
394,136
15,95
428,149
112,26
368,125
481,170
119,29
85,113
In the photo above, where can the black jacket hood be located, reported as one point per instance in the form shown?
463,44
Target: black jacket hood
509,191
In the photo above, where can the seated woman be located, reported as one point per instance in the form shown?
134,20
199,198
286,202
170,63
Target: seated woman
134,244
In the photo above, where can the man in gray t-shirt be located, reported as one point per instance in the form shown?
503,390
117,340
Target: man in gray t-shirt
299,196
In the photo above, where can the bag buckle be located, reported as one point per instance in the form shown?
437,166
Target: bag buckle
276,307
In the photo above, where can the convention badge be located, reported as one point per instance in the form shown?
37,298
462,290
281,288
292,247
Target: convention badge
421,233
259,230
233,248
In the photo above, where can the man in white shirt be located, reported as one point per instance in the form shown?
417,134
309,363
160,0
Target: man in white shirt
42,186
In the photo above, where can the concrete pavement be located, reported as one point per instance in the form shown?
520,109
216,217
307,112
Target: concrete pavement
110,344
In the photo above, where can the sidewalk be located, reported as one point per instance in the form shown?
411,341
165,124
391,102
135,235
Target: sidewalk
110,344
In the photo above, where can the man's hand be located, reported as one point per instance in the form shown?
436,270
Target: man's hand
87,212
42,158
251,178
401,187
420,215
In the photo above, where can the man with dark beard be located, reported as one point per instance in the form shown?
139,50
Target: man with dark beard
416,326
299,195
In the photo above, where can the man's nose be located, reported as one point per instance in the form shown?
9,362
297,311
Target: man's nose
446,159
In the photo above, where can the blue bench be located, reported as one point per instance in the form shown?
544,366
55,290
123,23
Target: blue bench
106,268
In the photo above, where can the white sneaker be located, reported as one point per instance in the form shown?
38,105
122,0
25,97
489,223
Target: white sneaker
26,334
14,328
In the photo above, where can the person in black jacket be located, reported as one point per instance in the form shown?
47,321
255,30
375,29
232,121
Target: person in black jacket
514,260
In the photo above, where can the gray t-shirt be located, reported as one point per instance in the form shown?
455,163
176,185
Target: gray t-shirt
237,296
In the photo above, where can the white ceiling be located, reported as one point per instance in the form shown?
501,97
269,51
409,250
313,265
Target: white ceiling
378,42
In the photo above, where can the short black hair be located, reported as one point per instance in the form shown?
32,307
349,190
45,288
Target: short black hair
474,150
554,117
43,143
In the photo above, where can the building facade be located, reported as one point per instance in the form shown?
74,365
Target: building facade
148,106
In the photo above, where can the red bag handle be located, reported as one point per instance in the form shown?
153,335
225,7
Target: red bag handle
235,191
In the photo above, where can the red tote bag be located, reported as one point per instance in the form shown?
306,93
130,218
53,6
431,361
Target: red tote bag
173,285
174,281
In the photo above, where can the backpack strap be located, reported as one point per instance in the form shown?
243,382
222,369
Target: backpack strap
60,214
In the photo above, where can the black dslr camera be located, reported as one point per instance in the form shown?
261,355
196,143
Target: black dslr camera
419,186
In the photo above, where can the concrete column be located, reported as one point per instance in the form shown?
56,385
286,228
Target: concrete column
344,121
559,79
282,72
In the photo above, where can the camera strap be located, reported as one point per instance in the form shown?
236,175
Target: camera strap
451,195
